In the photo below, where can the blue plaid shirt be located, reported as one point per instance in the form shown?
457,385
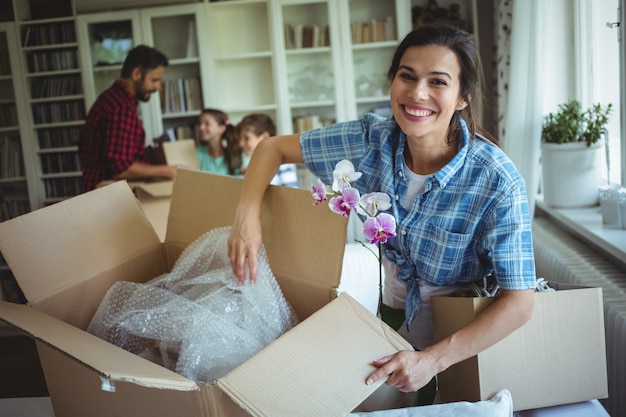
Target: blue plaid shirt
472,218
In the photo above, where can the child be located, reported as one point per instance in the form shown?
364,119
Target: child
218,150
252,129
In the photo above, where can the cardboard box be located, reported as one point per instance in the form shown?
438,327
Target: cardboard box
181,153
66,256
557,357
154,198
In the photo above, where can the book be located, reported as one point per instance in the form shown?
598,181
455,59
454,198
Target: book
290,41
192,46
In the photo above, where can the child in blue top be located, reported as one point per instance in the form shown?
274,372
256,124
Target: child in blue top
218,149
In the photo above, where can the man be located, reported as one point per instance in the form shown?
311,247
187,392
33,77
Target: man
112,145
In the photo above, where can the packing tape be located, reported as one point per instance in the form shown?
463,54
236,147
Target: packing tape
107,384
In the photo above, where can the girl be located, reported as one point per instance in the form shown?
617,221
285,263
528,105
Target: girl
218,148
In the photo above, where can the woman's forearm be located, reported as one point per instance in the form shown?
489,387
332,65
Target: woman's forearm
246,236
509,311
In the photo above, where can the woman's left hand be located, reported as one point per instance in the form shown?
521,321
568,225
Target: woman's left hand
406,370
409,371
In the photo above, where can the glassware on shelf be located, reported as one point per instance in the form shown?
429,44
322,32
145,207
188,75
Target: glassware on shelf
310,84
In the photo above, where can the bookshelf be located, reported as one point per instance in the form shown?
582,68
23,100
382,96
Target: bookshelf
55,108
14,189
375,30
241,52
242,69
307,38
108,36
183,96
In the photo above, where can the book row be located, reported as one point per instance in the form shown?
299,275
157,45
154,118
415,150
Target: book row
52,61
58,137
49,34
11,164
8,115
306,36
182,132
63,187
373,31
68,111
308,122
5,63
44,87
13,208
55,163
181,95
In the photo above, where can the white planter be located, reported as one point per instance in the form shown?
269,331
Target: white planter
571,174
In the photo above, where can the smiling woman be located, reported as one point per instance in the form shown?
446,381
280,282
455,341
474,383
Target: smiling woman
459,202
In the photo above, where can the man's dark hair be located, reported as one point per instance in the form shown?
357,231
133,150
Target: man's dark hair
144,57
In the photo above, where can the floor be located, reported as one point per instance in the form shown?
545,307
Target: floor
26,407
23,391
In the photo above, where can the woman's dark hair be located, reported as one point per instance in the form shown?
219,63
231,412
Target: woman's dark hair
472,81
144,57
229,142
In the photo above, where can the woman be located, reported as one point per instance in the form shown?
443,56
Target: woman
459,202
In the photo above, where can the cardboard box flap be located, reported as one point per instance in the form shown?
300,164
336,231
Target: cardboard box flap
181,153
330,352
64,244
559,355
110,362
154,189
295,233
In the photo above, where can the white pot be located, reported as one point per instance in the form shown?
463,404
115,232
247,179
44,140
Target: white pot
571,174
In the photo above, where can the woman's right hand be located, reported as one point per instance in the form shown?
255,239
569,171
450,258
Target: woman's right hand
245,238
244,243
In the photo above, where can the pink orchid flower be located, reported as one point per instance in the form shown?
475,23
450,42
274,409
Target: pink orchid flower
379,228
346,202
371,203
343,175
318,191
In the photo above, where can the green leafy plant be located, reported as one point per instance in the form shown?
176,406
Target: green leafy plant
573,124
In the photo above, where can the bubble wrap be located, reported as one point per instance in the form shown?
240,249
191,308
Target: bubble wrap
199,319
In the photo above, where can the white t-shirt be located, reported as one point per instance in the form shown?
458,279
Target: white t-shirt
420,332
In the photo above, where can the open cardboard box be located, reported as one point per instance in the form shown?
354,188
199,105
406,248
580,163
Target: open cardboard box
154,198
180,152
557,357
66,256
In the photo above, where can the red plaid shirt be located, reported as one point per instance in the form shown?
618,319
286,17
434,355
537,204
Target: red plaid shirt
112,138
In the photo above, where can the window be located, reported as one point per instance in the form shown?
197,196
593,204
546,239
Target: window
599,63
601,80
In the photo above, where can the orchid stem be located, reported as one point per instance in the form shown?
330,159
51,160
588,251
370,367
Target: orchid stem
369,249
380,281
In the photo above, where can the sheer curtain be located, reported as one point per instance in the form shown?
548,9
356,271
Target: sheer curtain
519,35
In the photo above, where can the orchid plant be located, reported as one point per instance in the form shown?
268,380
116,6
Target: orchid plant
344,198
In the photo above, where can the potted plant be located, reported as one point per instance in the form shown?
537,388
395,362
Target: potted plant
571,149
